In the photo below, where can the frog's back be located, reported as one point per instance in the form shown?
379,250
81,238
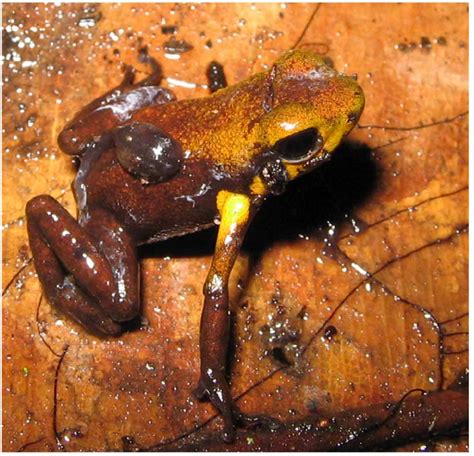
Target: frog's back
217,127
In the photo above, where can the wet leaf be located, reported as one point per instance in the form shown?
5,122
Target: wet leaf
351,288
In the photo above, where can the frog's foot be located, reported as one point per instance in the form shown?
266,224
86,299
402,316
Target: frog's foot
156,76
213,386
217,391
153,79
200,392
251,421
89,272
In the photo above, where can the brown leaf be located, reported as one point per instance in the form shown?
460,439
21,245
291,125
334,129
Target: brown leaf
352,287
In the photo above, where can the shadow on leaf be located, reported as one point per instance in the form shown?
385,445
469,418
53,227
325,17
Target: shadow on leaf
328,194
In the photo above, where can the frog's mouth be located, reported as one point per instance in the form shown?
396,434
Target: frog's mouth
300,147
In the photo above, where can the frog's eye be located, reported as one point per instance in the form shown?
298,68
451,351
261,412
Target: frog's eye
299,146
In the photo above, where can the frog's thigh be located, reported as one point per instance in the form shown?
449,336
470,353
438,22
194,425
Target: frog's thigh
59,245
214,338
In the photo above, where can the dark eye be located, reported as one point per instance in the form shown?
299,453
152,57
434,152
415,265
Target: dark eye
298,146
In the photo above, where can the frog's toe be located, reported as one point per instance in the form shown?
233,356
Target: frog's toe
110,328
228,433
251,421
128,76
72,301
200,392
156,76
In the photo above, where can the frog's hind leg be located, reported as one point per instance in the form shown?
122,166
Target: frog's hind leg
76,274
113,109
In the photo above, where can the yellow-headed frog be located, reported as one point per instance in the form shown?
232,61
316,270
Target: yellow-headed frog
152,167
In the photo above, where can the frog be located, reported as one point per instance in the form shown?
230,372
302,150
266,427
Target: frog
153,168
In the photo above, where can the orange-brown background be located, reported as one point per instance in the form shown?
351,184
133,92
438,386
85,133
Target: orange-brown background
413,204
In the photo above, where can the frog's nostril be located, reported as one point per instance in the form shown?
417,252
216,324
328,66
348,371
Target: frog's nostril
352,117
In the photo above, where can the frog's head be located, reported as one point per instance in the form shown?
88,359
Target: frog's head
310,108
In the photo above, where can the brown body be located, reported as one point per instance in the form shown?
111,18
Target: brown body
181,205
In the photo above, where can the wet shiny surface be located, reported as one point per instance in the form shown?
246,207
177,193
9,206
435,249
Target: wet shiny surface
144,377
93,274
147,152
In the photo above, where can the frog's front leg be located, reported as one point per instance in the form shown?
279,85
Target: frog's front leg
235,211
215,77
89,272
112,109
